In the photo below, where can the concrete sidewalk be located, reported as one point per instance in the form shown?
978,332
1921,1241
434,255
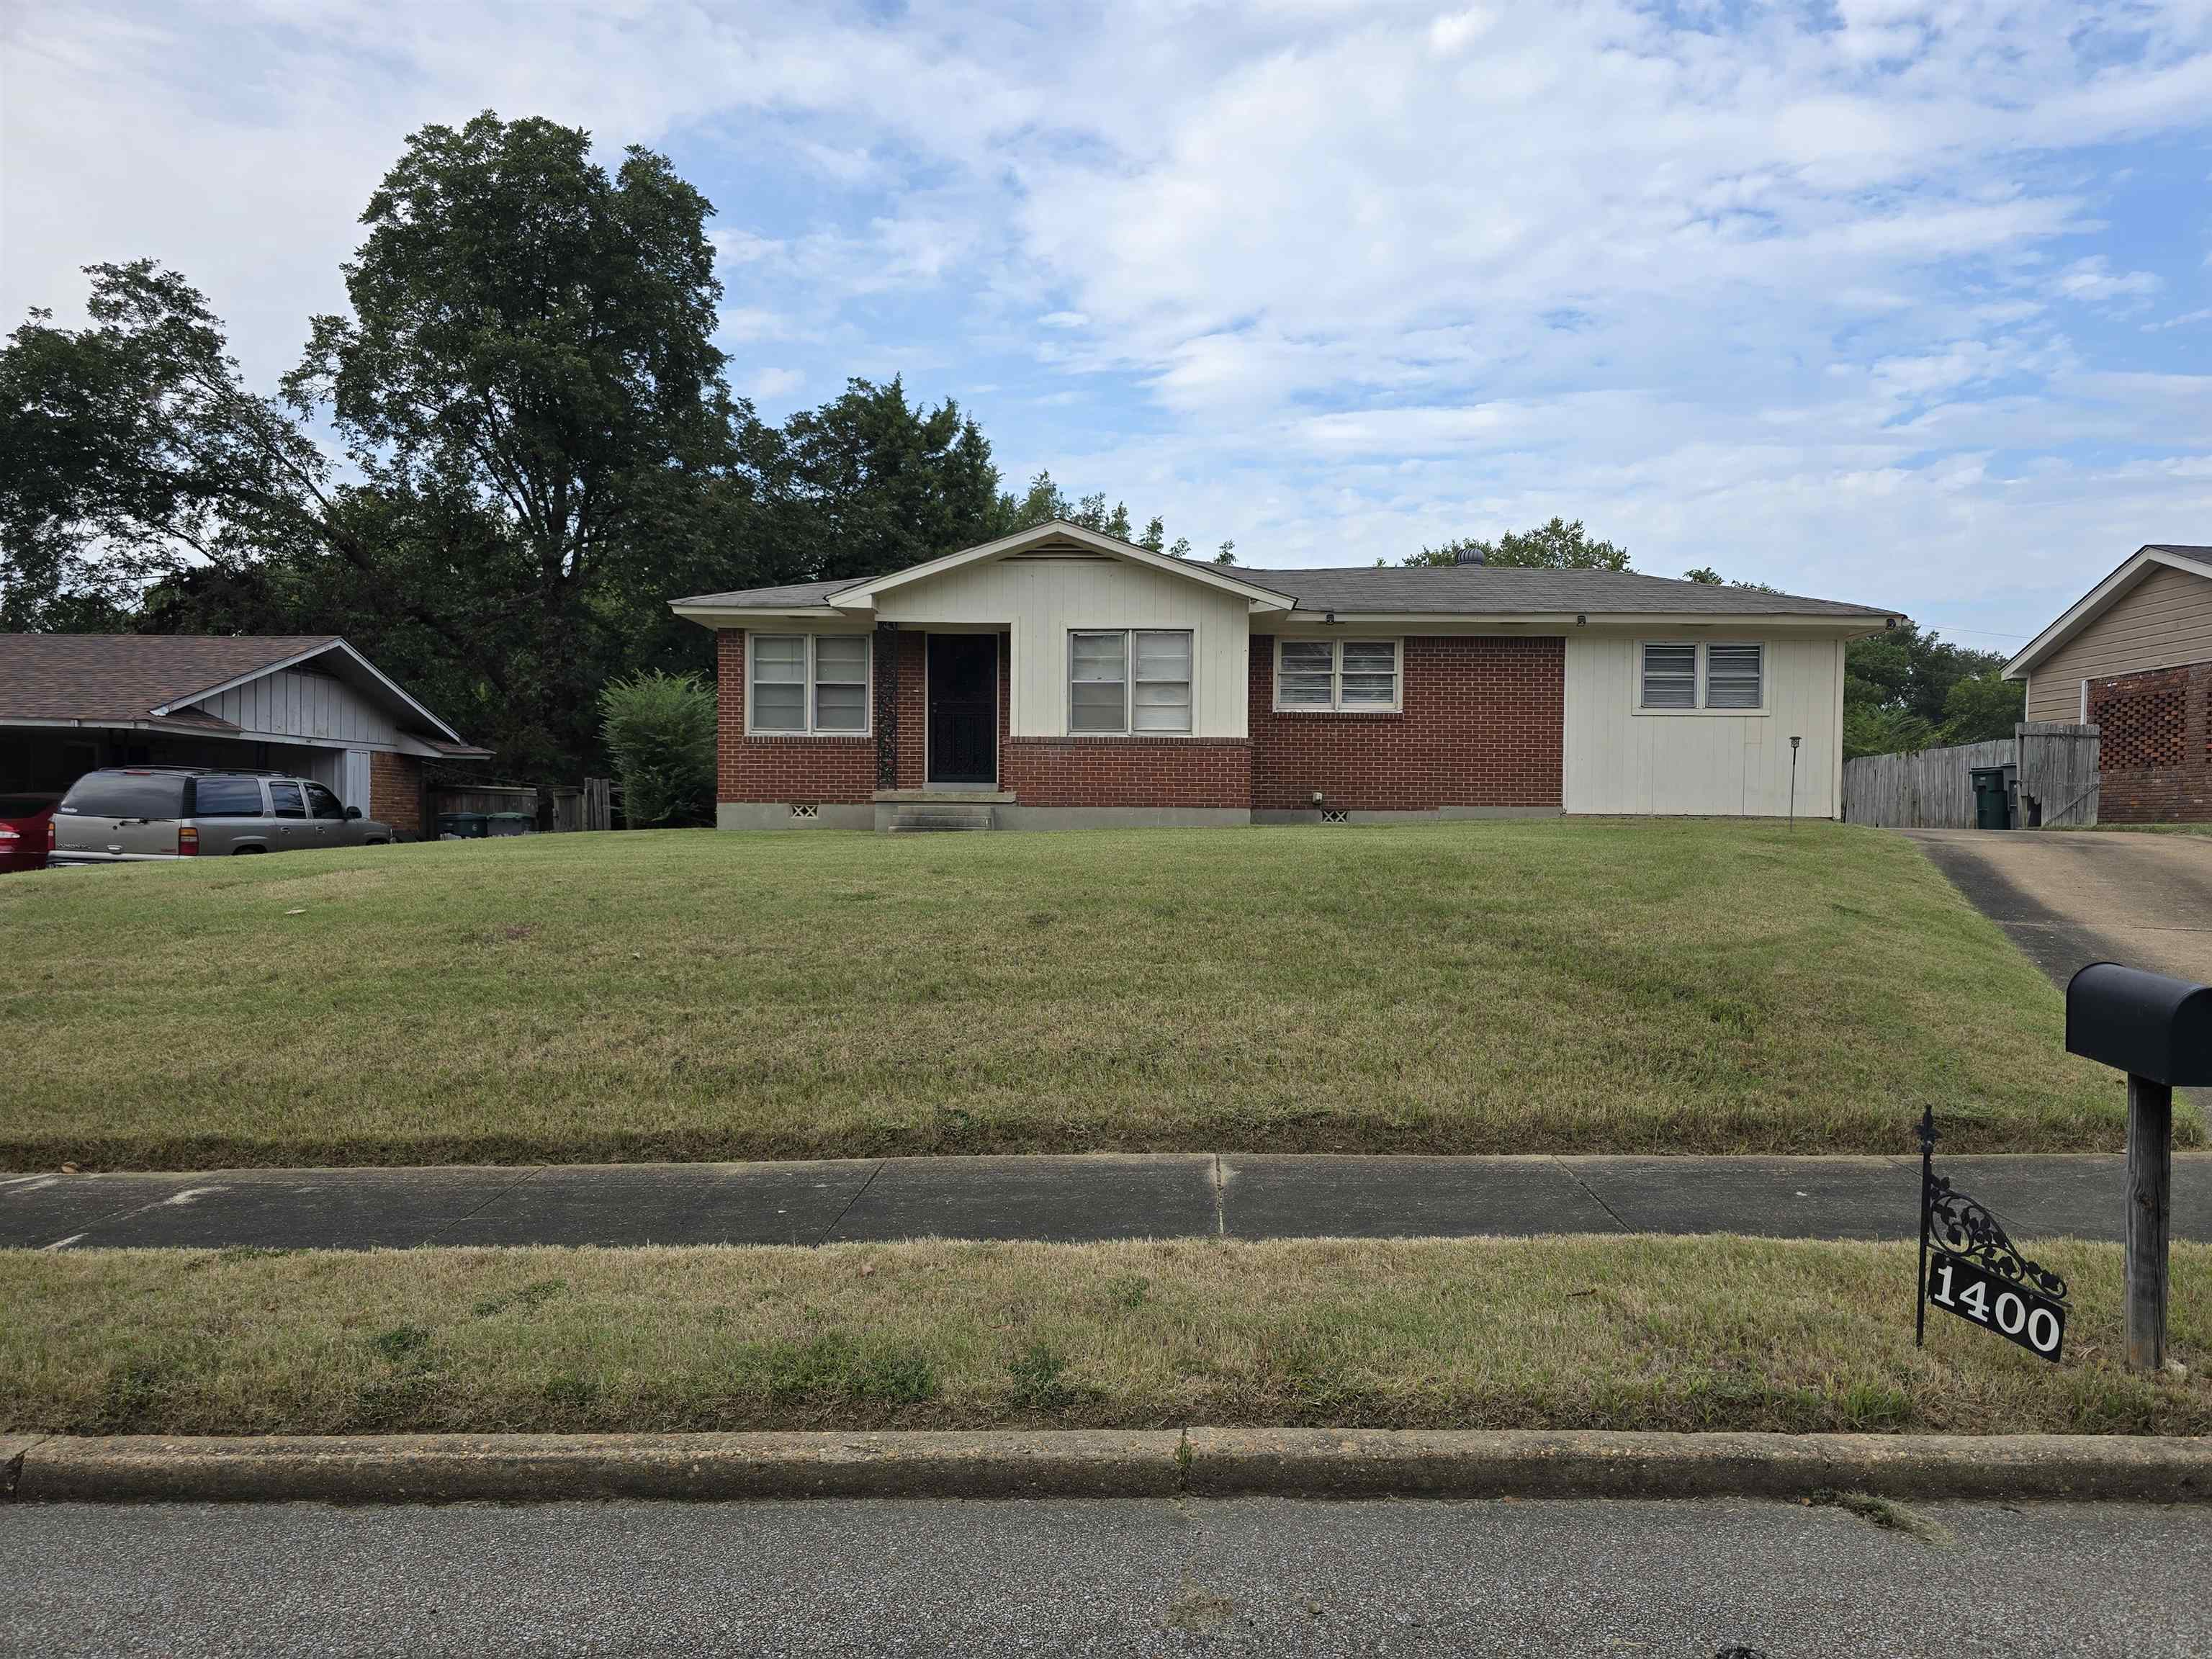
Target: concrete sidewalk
1068,1200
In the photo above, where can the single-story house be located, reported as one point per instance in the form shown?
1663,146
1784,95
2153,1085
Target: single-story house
1061,678
2133,656
307,704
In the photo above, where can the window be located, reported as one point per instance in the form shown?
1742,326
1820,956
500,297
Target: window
1342,675
322,803
1103,695
809,683
1670,677
1733,676
841,682
1162,702
226,798
125,795
284,801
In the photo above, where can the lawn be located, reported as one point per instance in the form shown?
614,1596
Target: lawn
1676,1334
1562,986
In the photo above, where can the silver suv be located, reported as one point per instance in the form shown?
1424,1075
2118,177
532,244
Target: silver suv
133,814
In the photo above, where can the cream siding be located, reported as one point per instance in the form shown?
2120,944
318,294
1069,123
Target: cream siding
2164,621
294,703
1040,597
1621,760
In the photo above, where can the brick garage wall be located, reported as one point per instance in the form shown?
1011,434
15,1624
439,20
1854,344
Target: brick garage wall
1482,724
395,793
837,770
2156,754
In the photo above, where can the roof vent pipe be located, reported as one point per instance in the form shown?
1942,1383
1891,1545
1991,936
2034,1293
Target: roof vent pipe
1469,553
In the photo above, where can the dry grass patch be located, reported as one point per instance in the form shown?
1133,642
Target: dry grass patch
1567,986
1560,1333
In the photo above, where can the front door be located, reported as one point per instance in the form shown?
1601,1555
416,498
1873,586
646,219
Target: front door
963,708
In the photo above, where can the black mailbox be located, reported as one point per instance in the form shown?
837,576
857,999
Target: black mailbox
2145,1024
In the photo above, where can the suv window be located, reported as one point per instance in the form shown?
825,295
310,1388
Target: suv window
284,801
322,803
24,806
125,795
226,798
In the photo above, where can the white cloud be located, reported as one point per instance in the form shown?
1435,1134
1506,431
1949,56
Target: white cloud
764,384
1779,292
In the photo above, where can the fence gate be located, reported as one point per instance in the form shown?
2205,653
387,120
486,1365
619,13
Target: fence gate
2059,767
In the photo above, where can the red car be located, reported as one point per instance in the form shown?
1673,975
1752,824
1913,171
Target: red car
24,820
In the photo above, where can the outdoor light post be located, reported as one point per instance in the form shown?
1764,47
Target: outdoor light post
2159,1031
1794,742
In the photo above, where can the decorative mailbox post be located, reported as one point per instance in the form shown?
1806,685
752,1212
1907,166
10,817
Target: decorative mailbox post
2159,1031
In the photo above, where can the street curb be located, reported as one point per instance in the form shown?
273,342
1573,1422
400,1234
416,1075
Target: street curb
1103,1463
1598,1463
447,1468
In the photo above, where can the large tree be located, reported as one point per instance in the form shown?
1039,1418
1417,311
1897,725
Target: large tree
537,442
1558,545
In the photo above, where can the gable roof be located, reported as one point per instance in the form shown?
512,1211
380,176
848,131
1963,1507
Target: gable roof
126,677
2151,556
1351,591
112,678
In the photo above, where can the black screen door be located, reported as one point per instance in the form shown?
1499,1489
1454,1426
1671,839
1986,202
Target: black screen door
964,708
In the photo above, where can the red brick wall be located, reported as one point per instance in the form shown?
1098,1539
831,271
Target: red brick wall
2155,753
840,770
1482,724
912,709
395,793
1127,771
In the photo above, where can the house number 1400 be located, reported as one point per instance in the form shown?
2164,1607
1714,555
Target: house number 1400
2020,1316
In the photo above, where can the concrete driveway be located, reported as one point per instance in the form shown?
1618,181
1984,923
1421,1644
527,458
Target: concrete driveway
2067,897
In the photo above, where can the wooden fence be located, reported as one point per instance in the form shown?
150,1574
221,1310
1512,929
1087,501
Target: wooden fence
2058,765
1933,788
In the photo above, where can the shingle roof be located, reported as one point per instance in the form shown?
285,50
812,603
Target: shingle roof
124,677
1506,590
772,598
1443,590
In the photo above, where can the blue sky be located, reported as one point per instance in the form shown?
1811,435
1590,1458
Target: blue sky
1906,303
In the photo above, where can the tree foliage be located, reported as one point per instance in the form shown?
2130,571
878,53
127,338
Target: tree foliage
1558,545
1905,688
659,730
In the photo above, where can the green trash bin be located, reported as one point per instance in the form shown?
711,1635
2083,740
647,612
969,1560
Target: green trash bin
510,824
462,826
1992,800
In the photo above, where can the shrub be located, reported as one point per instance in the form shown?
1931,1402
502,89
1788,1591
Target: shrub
660,729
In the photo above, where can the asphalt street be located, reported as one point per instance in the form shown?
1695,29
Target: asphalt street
1233,1196
1138,1578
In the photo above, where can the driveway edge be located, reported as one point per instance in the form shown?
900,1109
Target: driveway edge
1106,1463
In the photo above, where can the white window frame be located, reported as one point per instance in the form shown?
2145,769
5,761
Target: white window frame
1701,683
1336,704
866,728
1128,727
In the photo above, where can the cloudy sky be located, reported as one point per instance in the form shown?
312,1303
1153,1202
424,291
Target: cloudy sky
1899,302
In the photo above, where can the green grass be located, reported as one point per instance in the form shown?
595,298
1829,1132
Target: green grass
1560,986
2153,829
1697,1333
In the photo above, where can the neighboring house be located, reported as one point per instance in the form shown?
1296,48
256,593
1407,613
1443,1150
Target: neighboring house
1062,678
2133,657
309,705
